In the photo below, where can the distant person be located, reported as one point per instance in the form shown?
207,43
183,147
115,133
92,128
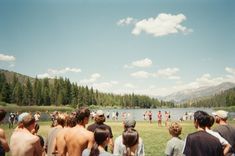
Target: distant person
11,119
175,145
101,136
167,115
99,121
37,116
4,147
119,146
159,119
79,138
117,114
224,129
224,143
150,115
23,142
201,143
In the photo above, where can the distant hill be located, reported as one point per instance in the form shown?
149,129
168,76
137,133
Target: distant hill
187,95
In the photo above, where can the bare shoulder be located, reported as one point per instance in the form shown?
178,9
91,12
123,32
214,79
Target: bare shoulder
2,133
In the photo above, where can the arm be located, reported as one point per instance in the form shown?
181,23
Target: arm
38,148
3,141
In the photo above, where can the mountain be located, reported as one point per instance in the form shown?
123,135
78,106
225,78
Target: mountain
187,95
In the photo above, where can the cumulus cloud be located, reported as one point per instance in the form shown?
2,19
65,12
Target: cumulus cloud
163,24
140,63
51,73
92,79
105,86
126,21
230,70
169,73
141,74
7,58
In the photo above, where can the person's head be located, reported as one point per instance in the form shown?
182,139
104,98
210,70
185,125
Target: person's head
201,119
175,129
99,117
130,138
28,122
211,121
20,119
60,119
2,114
82,115
70,120
101,136
220,115
129,123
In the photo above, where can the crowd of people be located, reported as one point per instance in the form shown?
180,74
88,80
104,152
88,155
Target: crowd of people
69,136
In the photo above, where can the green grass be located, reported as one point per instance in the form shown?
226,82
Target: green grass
154,137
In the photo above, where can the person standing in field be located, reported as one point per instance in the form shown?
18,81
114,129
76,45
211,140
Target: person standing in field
79,138
150,115
99,121
225,130
23,142
4,147
201,143
167,115
159,119
101,135
120,147
175,145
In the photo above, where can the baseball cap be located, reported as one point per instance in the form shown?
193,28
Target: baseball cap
129,122
221,113
21,116
99,112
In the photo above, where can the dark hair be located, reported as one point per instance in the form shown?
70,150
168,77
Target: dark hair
211,121
202,118
130,137
101,134
81,114
70,120
2,114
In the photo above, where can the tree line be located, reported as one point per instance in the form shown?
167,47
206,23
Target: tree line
223,99
60,91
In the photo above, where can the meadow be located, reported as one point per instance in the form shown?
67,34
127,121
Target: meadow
154,137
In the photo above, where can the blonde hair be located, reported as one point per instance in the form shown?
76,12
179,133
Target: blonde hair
175,129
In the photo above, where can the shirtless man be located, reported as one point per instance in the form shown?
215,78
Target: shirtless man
23,142
60,147
4,147
79,138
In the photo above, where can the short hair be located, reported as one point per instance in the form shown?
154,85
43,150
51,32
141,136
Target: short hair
175,129
211,121
82,113
60,119
70,120
202,118
2,114
28,120
99,119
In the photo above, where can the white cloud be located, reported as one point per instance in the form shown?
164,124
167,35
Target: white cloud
129,85
7,58
167,72
141,74
140,63
163,24
105,86
51,73
126,21
92,79
230,70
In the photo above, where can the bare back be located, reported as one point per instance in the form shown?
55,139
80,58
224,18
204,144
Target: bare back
23,143
60,142
77,139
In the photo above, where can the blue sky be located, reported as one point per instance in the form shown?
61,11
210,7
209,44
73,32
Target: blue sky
152,47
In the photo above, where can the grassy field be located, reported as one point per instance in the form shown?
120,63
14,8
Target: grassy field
154,137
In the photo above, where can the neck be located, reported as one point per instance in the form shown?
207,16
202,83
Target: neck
101,148
200,129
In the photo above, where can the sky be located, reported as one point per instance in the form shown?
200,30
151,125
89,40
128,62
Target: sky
147,47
